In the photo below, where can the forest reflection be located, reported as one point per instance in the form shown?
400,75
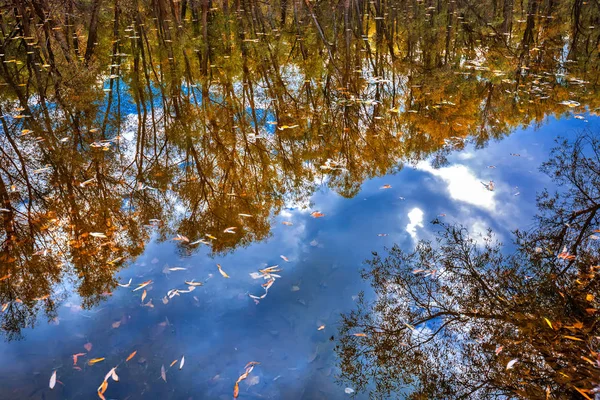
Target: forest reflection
462,317
126,119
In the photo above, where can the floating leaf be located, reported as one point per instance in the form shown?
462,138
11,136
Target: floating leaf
348,390
142,285
548,322
95,360
131,356
143,295
321,328
284,258
182,362
98,235
88,347
53,380
222,272
360,334
573,338
76,356
316,214
511,363
126,285
163,374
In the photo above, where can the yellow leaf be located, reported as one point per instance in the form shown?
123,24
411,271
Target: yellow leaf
95,360
548,322
573,338
589,297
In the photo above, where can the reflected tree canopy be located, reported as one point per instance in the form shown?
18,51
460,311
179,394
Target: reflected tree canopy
124,119
465,317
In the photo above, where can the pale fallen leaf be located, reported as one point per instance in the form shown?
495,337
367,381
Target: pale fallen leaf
53,380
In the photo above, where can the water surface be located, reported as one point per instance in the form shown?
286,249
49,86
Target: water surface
153,142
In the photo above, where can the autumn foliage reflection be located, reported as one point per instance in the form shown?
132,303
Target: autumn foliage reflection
130,118
465,317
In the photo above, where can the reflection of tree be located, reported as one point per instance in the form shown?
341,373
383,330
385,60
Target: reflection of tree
184,115
450,316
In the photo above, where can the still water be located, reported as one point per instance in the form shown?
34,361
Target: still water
158,157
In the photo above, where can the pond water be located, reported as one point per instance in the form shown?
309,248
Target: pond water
156,156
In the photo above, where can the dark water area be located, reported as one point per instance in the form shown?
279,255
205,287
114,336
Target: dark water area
204,181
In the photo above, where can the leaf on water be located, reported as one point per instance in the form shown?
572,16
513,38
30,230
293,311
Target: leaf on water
131,356
88,347
511,363
231,229
283,127
321,328
95,360
284,258
348,390
548,322
582,393
112,373
76,356
117,324
142,285
236,390
287,223
143,296
181,238
317,214
173,363
126,285
98,235
182,362
102,388
163,374
222,272
360,334
177,269
386,187
248,368
53,380
573,338
192,283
